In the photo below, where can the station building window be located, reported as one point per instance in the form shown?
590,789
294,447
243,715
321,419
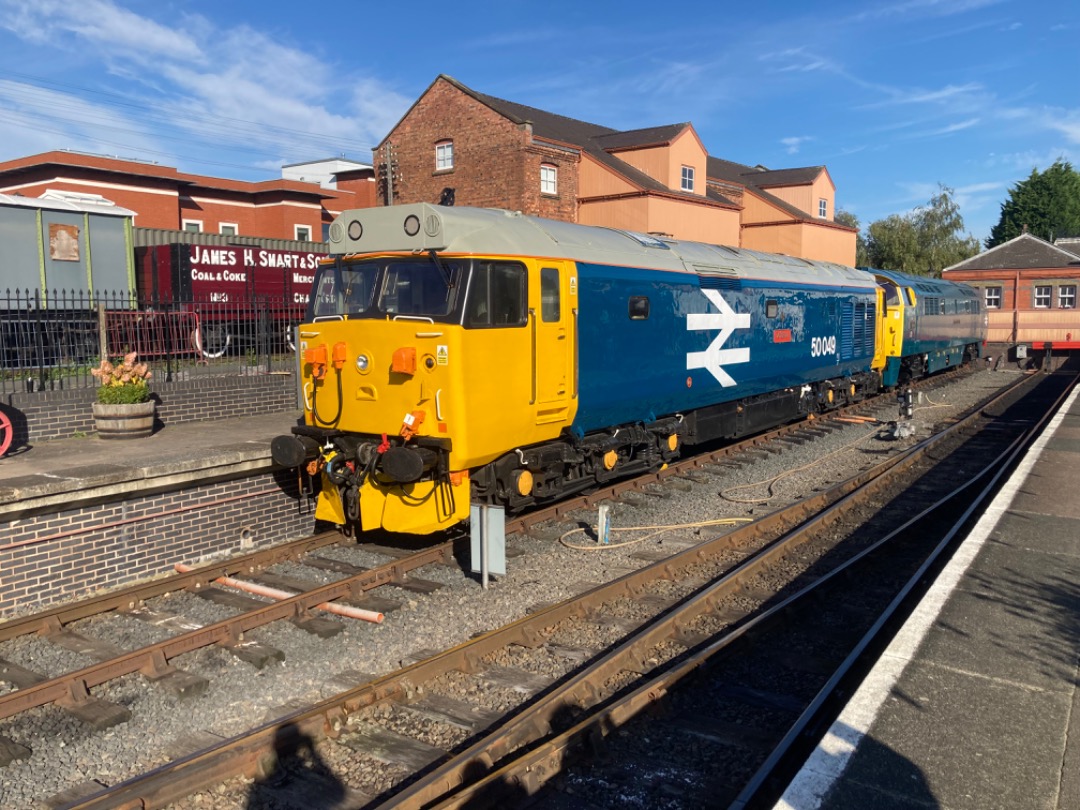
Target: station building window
1042,296
228,229
687,178
1067,296
549,179
193,225
993,297
444,156
302,232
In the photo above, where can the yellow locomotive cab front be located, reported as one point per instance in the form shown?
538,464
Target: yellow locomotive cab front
415,372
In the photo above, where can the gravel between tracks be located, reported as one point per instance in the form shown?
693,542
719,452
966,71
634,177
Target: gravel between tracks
66,753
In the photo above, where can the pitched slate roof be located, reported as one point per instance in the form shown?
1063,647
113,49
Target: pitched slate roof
594,139
1023,252
764,178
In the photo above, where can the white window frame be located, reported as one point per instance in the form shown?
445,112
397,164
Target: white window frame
1067,296
992,297
1043,293
198,223
686,181
823,208
223,225
444,156
298,237
549,178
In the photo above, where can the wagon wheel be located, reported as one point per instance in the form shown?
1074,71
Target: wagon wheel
211,341
6,433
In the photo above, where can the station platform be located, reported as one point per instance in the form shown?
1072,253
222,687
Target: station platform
975,705
64,473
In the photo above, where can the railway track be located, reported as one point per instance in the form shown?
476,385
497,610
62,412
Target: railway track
71,690
366,716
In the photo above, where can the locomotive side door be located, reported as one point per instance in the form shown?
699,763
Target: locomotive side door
552,319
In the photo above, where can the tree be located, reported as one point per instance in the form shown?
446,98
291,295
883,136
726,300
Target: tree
923,241
1047,204
852,221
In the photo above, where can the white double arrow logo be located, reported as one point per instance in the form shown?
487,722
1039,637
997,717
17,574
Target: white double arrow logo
715,357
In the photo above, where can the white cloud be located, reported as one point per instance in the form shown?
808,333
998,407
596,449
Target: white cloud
257,94
792,144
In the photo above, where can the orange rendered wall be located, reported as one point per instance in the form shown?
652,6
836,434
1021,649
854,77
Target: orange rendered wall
806,197
679,220
596,180
664,163
803,239
700,223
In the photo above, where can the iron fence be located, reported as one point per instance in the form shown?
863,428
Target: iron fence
50,340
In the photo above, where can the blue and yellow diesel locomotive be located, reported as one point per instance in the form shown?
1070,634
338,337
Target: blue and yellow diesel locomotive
453,355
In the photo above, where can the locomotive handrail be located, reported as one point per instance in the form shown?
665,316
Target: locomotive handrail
574,356
532,318
423,318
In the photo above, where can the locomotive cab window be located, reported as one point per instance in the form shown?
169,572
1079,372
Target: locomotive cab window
639,308
496,296
772,309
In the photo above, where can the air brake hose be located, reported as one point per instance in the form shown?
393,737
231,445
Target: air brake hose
315,402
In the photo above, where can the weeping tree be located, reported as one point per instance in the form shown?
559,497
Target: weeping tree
923,241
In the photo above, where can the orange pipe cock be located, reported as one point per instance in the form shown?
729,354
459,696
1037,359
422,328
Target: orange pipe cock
317,357
410,426
404,361
340,351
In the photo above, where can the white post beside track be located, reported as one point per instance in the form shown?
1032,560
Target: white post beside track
487,534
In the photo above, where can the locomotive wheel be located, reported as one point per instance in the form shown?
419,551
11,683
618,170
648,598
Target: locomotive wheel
211,340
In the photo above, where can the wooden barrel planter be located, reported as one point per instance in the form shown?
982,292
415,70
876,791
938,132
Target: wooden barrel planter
127,421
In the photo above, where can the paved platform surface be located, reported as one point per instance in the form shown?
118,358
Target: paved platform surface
975,705
46,473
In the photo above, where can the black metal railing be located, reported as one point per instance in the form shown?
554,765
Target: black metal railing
50,340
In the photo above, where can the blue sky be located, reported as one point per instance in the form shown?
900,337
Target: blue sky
894,97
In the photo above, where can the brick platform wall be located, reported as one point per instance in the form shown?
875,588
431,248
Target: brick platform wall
45,415
75,552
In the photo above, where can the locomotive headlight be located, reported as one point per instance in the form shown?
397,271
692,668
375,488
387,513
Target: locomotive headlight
363,363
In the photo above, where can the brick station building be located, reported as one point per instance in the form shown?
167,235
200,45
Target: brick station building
166,198
1029,287
457,146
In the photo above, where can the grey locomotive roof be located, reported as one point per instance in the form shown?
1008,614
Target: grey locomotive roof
490,231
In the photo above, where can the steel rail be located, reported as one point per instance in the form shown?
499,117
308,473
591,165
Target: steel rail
243,754
578,691
539,764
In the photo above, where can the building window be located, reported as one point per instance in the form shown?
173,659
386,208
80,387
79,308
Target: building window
687,178
444,156
1042,296
823,208
993,297
549,179
227,229
302,232
193,225
1067,296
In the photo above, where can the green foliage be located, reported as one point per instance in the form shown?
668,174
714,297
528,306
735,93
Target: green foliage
1047,203
922,242
126,394
862,258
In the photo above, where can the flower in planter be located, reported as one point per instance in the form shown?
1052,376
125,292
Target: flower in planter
124,382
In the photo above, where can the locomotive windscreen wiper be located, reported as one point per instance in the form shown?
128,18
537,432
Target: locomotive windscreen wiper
442,269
